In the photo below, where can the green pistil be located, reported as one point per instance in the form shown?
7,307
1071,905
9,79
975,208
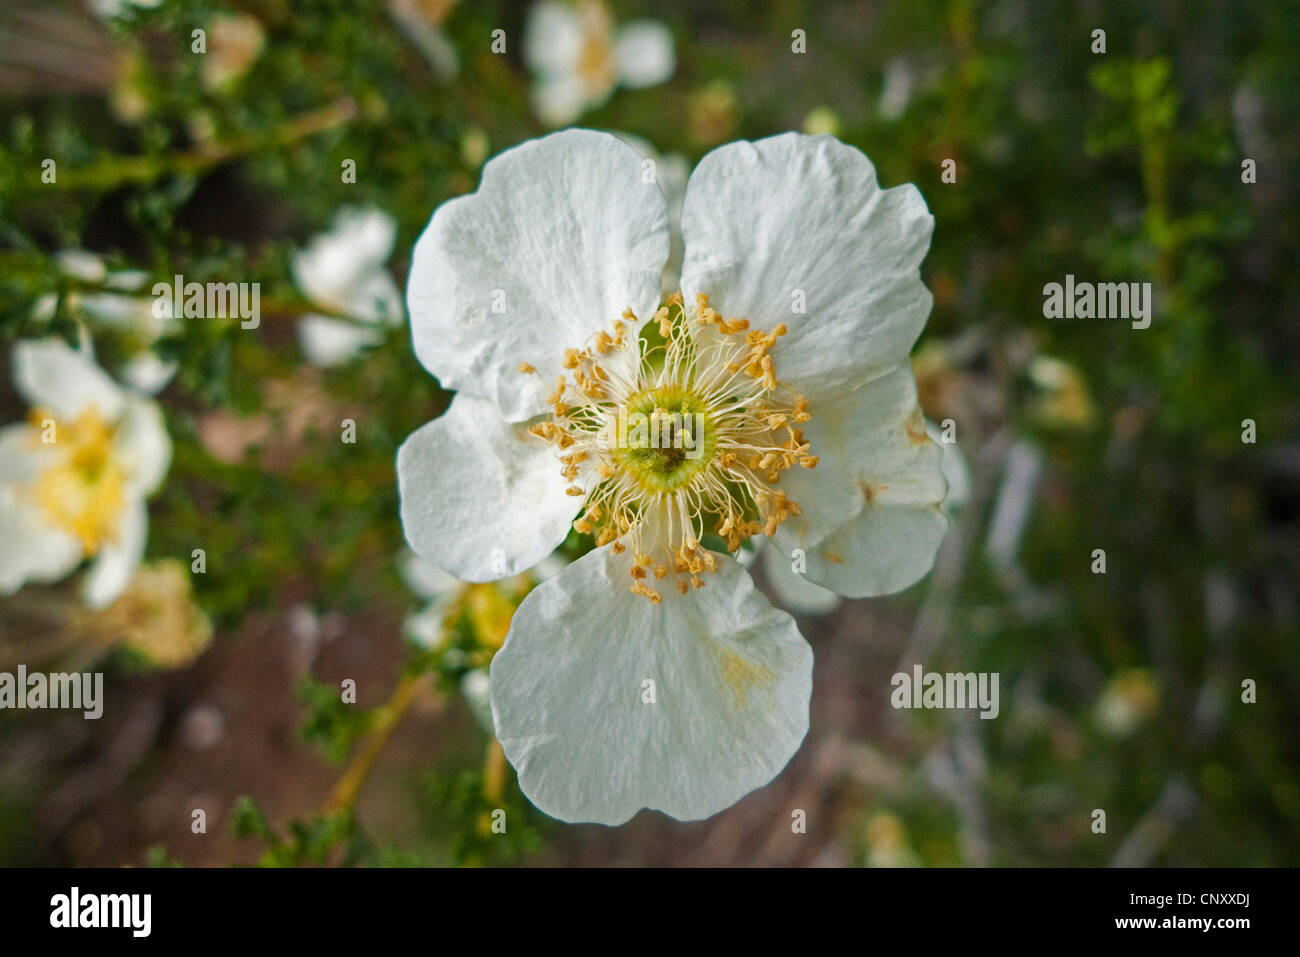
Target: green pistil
665,452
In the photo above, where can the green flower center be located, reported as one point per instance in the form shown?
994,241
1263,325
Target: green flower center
664,438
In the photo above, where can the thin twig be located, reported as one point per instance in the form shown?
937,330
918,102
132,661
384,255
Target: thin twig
345,792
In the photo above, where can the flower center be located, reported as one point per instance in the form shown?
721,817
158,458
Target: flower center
673,433
664,438
84,492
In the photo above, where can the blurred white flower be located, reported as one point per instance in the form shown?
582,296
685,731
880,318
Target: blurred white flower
476,688
1063,400
343,270
133,318
235,41
794,234
74,478
578,57
899,82
1129,699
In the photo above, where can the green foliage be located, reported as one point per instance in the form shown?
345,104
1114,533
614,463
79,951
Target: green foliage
460,800
319,840
331,724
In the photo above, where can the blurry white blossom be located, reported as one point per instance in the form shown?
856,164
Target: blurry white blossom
235,41
75,476
579,56
343,270
137,321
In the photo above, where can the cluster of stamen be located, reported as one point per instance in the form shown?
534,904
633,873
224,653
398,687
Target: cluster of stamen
714,430
84,491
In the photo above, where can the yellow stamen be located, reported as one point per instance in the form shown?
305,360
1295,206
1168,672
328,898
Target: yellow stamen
717,432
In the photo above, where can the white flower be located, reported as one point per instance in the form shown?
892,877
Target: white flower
651,672
133,317
579,57
343,271
74,478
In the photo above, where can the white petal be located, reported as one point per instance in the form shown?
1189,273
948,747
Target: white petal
51,376
43,307
122,312
643,53
481,498
115,565
561,237
30,548
376,298
560,101
81,264
330,342
143,446
552,39
794,592
900,78
425,627
148,373
793,215
126,280
23,457
368,232
955,470
871,521
732,679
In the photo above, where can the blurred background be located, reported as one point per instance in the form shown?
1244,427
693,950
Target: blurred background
304,147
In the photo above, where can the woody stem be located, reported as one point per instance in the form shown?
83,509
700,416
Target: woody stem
344,794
